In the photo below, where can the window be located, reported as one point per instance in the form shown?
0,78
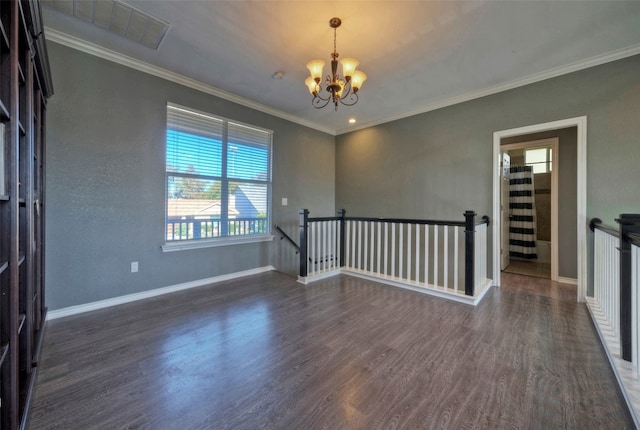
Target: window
218,177
539,158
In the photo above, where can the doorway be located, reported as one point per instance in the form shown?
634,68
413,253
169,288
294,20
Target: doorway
580,123
529,206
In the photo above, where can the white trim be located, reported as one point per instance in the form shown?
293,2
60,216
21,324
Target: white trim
101,304
107,54
306,280
212,243
388,280
582,208
581,204
555,192
555,156
431,291
563,280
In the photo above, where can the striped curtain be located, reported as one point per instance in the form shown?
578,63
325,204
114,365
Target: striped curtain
522,225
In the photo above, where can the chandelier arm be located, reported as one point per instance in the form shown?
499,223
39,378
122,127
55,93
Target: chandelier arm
318,96
316,102
353,96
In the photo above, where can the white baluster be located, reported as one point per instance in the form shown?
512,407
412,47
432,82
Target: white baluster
455,258
409,252
445,266
476,262
312,246
435,255
323,247
332,244
353,244
336,244
386,247
359,262
400,249
426,254
347,245
393,249
378,244
371,254
417,262
365,233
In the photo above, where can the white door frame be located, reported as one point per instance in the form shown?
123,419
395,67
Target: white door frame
553,144
581,161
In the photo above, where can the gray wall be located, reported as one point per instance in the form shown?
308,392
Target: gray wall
437,164
567,195
106,183
105,169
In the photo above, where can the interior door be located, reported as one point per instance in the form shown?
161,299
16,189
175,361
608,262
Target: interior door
504,210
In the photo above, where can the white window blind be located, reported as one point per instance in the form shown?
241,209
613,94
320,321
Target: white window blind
218,176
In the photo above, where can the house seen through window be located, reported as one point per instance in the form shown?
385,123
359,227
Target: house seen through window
218,177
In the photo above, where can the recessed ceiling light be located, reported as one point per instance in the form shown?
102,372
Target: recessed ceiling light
278,75
352,120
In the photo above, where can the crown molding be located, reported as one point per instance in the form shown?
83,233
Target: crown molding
124,60
107,54
618,54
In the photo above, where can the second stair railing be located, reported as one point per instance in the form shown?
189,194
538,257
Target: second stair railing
448,256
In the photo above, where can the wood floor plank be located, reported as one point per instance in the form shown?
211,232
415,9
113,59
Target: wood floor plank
264,352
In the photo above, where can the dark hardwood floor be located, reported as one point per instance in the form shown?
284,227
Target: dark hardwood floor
267,353
529,268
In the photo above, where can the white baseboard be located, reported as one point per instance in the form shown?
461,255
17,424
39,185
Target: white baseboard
564,280
418,287
88,307
306,280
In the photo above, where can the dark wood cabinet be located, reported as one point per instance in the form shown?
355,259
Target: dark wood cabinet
25,86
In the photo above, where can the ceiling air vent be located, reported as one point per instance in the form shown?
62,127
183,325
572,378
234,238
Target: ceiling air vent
116,17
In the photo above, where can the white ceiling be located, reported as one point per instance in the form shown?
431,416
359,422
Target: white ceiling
418,55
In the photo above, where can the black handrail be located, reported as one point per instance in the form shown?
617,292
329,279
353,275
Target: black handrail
324,218
596,223
286,236
484,220
403,221
634,238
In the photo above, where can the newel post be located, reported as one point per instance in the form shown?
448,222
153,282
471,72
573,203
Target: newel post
304,227
469,250
629,223
342,214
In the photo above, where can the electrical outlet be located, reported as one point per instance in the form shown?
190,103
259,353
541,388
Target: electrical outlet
134,266
284,201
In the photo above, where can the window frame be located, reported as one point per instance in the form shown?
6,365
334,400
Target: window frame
547,163
225,180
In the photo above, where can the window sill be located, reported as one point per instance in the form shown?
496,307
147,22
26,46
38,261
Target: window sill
211,243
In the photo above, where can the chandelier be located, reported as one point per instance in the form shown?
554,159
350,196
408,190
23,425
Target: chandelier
343,89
